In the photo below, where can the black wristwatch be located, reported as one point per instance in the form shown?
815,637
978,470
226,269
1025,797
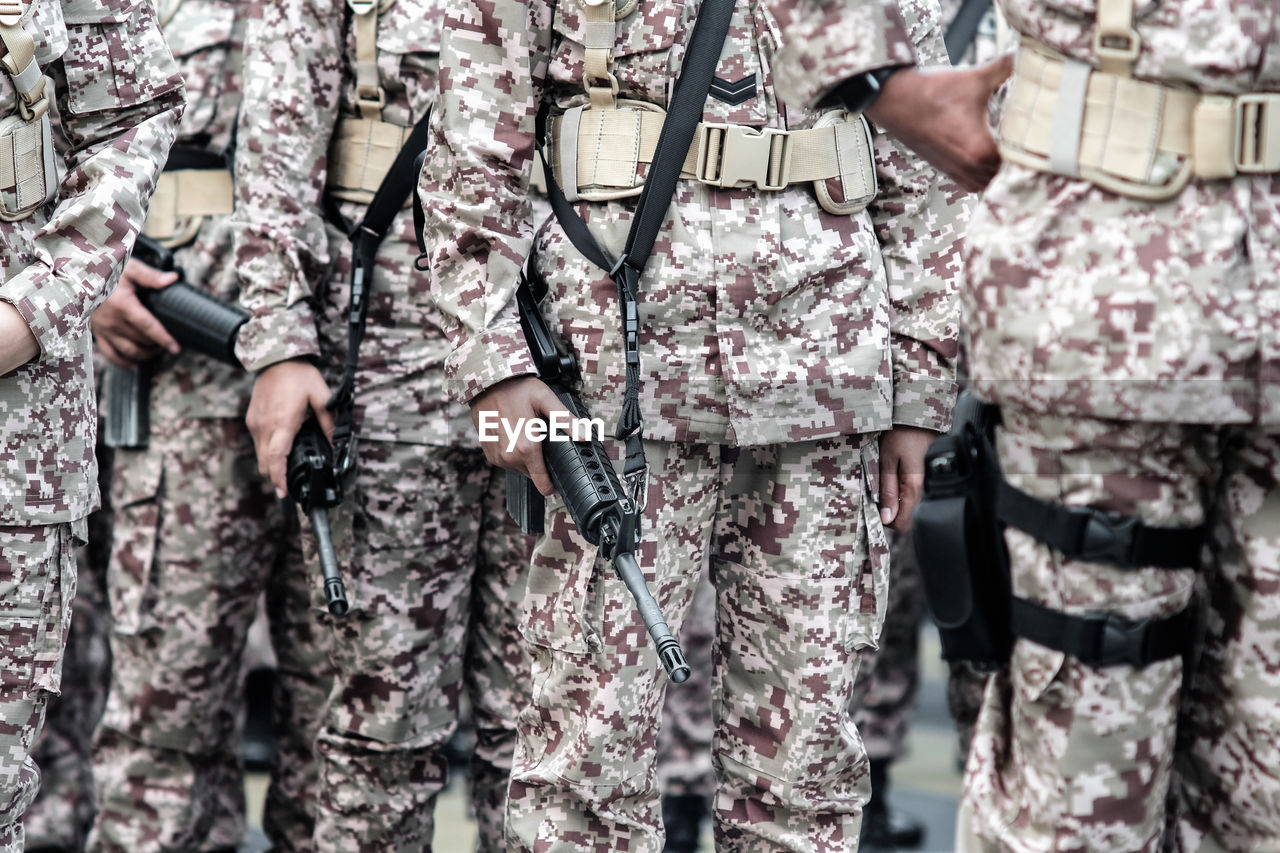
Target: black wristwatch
859,93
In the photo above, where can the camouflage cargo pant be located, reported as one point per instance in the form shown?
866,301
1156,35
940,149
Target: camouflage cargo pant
63,811
965,687
1071,757
38,582
799,562
684,744
885,692
197,539
434,574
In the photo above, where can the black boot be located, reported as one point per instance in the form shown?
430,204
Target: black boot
882,829
682,815
258,743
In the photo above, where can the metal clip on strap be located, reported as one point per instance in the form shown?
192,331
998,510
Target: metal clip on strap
1104,639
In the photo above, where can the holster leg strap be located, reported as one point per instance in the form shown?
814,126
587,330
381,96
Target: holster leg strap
1095,536
1104,639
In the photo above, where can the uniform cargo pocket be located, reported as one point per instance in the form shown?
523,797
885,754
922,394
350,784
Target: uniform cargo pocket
131,577
562,600
37,581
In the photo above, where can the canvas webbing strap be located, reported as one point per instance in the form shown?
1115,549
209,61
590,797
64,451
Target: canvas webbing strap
370,97
20,61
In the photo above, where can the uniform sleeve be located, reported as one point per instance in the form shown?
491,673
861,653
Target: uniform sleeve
120,98
920,217
292,80
474,185
825,42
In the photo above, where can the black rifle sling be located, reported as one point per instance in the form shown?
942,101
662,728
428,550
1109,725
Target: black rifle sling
964,28
366,237
684,113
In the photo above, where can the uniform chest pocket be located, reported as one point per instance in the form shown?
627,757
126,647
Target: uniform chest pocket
121,59
200,35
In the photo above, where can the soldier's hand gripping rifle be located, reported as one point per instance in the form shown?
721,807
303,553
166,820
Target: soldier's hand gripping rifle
314,484
208,325
584,477
196,320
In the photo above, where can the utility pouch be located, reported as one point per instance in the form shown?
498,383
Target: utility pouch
855,186
959,541
28,171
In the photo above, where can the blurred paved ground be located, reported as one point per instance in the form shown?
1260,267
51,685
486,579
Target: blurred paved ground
926,783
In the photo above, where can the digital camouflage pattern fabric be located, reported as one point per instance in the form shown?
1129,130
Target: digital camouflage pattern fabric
885,692
433,570
166,758
772,334
119,98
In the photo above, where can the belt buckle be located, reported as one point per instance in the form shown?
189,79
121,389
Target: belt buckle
743,156
1257,133
1120,640
1104,537
11,12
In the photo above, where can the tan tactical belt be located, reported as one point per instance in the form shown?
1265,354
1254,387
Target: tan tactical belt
1136,138
361,155
183,198
599,154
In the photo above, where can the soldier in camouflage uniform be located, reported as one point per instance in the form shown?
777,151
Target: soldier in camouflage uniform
119,97
198,535
778,341
1123,271
432,566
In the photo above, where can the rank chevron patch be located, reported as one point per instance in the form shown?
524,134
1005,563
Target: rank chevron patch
734,92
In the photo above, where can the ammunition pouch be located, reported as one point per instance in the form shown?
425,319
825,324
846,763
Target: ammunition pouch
958,532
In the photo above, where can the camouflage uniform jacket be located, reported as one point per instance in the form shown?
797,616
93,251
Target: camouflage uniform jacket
206,37
119,98
763,318
293,266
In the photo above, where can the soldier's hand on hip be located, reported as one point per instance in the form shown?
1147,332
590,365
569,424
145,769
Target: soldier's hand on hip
943,117
902,452
283,395
500,414
125,331
17,344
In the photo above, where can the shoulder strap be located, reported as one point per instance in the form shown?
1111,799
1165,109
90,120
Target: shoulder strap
1115,40
20,61
370,97
963,28
366,237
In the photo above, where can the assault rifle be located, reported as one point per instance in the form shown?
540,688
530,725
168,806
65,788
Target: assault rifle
584,477
208,325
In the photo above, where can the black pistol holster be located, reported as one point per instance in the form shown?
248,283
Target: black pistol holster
959,542
958,532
